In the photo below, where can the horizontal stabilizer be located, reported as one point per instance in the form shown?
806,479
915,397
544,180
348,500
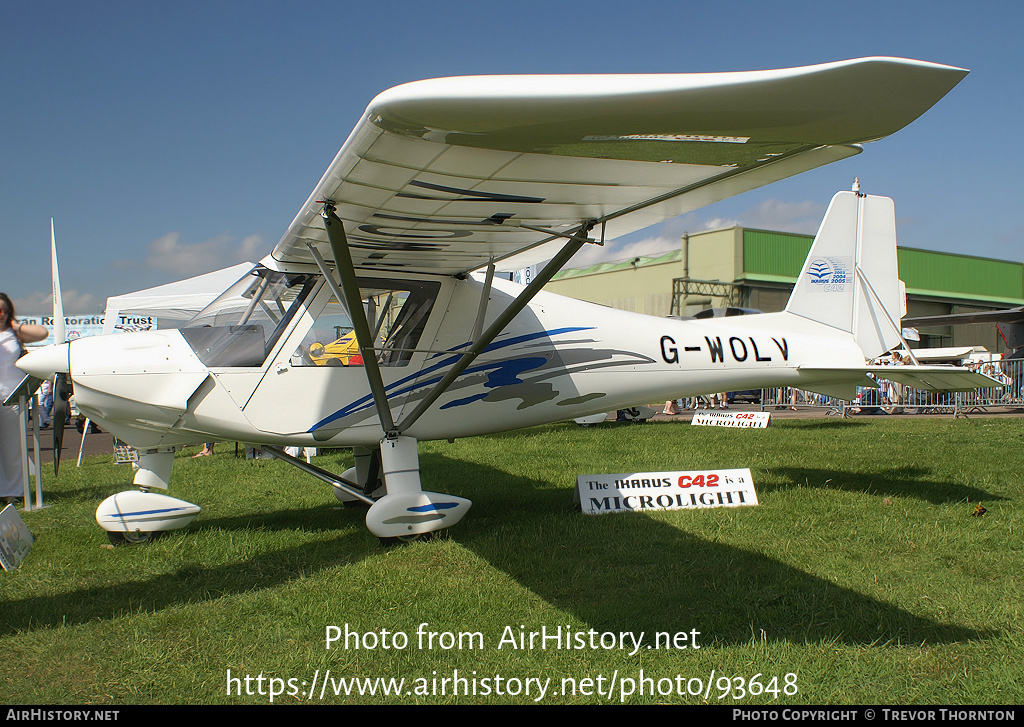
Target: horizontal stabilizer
937,379
839,383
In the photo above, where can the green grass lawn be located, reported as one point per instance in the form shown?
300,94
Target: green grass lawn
862,577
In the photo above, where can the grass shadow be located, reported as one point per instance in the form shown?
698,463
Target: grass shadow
905,481
186,585
635,573
619,573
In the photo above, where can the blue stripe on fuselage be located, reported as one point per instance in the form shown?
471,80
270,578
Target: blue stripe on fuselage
412,382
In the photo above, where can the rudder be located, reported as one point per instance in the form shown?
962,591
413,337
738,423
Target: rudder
850,280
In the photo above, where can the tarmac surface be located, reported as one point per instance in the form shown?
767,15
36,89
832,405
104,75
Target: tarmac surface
95,443
103,443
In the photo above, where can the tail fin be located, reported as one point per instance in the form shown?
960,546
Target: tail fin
850,278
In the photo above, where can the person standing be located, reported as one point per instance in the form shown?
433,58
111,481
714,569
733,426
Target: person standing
13,337
46,402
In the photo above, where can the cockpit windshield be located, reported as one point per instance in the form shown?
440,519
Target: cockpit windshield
243,324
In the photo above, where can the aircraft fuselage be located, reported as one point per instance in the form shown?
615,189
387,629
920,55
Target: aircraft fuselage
559,359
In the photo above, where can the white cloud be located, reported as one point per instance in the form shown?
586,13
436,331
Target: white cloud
774,214
169,254
594,254
717,223
41,303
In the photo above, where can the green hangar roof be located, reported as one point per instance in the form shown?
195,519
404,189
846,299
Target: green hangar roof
764,256
778,257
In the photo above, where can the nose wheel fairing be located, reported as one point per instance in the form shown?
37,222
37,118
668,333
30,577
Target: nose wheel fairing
134,514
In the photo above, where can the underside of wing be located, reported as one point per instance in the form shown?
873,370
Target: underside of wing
445,175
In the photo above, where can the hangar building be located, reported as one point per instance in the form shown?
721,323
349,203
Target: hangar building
748,268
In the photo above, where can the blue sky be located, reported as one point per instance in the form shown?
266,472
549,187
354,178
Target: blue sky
167,139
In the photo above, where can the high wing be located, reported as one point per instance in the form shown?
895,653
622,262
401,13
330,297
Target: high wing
446,175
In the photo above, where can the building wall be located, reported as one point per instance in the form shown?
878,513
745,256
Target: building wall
717,254
766,263
646,287
961,277
640,289
768,299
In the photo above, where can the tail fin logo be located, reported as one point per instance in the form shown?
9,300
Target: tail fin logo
830,272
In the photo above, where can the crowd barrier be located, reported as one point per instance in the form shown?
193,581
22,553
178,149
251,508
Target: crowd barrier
891,397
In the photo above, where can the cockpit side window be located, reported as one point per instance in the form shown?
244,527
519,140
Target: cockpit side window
242,326
405,317
330,342
397,313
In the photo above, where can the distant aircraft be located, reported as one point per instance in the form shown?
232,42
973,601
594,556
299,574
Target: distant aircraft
1009,323
445,181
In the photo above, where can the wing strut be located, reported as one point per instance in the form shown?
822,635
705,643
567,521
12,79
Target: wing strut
354,302
350,290
576,240
485,294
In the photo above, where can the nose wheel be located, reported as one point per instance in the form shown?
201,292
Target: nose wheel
133,538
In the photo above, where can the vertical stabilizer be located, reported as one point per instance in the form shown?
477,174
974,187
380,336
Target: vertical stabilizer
850,279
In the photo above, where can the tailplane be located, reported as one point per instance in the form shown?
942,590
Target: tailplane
850,278
850,281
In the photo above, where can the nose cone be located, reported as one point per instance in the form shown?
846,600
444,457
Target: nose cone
44,362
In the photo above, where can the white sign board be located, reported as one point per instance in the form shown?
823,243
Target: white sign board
601,494
746,419
15,539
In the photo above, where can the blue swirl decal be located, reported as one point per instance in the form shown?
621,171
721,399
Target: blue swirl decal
433,507
502,373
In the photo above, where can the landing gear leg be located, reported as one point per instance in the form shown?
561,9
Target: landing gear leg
155,469
406,511
366,472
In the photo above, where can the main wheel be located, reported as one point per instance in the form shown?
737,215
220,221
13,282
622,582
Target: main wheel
402,539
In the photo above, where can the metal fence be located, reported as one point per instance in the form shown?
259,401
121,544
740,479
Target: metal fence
893,398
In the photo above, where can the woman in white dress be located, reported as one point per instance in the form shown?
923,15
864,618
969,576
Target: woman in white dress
13,336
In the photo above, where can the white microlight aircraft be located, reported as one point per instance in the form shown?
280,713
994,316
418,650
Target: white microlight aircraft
377,321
